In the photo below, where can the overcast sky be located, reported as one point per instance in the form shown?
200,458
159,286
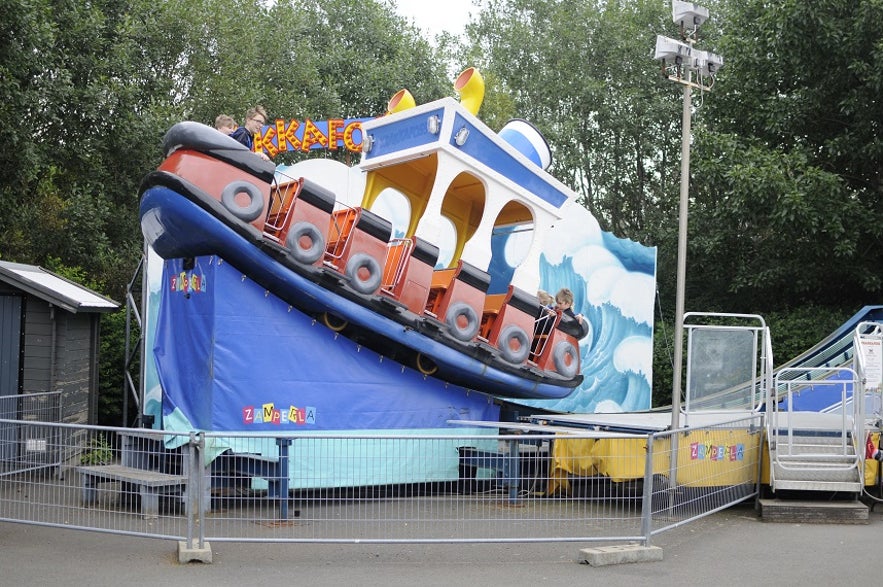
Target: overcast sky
435,17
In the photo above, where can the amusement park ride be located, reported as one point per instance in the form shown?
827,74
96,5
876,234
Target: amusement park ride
462,321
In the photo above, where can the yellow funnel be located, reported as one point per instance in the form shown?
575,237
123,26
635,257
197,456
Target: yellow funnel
401,100
470,86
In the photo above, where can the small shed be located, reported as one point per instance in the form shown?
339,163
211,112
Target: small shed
49,329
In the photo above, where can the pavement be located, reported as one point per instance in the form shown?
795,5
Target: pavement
731,547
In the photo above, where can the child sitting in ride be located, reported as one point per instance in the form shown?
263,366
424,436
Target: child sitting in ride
571,322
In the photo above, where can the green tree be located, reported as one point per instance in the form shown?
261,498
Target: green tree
77,90
786,156
787,177
578,71
87,91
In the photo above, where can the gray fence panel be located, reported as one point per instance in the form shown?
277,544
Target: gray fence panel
578,487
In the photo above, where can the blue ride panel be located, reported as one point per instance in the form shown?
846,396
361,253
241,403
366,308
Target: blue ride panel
823,396
230,356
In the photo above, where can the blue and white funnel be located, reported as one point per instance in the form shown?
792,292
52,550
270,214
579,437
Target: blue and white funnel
528,141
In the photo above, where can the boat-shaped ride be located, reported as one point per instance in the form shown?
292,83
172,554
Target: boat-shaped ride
342,264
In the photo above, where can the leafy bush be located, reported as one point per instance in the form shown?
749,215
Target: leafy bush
97,452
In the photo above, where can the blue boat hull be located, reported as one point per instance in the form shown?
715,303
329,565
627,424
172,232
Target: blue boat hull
176,226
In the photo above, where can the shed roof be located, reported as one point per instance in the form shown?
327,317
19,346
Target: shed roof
54,289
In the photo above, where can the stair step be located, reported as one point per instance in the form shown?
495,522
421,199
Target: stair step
809,511
815,485
814,470
816,460
819,446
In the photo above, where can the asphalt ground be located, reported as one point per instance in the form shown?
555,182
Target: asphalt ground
731,547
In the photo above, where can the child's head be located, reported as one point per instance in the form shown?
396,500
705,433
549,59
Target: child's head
545,298
225,124
564,298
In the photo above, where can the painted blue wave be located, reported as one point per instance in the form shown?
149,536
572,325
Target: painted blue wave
607,386
633,256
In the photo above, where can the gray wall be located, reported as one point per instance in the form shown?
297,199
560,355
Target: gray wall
10,342
58,351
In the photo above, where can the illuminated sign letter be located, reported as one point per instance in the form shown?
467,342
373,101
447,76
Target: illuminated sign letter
263,141
348,140
286,135
313,136
335,134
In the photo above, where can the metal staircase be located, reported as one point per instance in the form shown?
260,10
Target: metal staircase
812,451
824,451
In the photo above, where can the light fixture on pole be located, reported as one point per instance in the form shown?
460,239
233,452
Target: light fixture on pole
680,60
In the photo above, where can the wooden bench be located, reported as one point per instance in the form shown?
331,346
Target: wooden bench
151,484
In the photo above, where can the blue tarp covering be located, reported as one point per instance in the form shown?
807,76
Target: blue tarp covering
232,357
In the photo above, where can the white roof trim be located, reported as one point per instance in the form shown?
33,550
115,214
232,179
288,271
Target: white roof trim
54,288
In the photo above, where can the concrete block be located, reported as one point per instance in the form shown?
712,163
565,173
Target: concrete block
621,553
189,554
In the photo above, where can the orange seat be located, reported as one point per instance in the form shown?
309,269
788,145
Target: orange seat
511,328
299,216
357,243
457,299
340,226
408,274
493,303
281,199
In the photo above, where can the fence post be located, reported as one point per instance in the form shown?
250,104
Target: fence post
199,472
195,505
192,502
647,501
761,436
283,472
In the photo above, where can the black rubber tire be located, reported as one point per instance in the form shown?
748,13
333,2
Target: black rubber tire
508,335
245,213
354,268
312,253
470,329
559,357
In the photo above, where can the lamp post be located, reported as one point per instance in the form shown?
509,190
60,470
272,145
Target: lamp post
679,62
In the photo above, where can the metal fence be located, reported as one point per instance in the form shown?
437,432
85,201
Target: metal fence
578,486
25,443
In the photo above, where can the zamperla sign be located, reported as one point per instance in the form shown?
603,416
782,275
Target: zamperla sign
303,135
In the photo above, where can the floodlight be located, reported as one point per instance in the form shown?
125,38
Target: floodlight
688,15
708,63
669,50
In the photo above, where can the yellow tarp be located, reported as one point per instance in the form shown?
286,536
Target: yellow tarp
706,458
